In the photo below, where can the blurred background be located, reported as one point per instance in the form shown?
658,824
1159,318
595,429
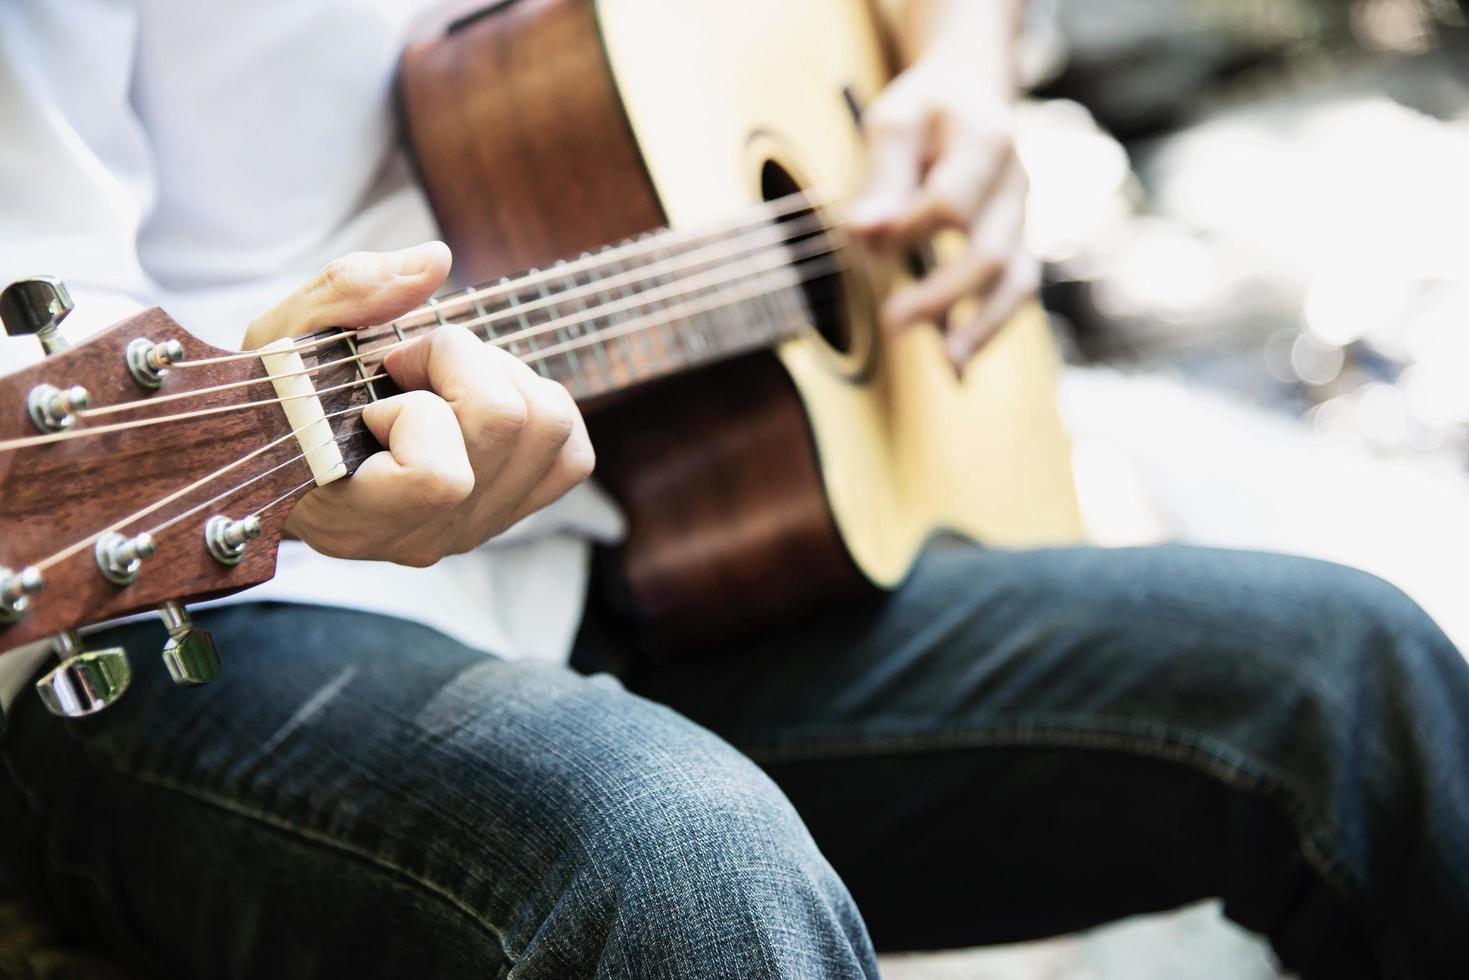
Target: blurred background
1256,221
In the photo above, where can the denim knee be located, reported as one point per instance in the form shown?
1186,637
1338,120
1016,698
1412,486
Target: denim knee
699,866
646,845
1367,632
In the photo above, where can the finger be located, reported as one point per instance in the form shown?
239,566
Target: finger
551,419
928,299
425,470
996,241
355,290
1017,286
574,464
896,148
958,187
471,376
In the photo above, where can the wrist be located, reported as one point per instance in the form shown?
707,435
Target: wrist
968,41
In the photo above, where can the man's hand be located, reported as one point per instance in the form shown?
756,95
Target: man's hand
476,442
943,156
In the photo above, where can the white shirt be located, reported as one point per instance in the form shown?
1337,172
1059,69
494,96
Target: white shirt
208,157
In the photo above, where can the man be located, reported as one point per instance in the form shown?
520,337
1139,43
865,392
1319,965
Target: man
396,775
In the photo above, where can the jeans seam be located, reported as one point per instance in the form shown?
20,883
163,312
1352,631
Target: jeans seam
1159,742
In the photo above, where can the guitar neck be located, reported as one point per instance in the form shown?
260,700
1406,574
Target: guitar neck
643,310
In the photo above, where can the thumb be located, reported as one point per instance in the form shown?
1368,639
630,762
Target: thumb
355,290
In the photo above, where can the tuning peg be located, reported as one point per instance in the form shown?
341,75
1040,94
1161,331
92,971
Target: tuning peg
16,588
85,681
227,539
149,362
189,654
54,409
120,558
36,305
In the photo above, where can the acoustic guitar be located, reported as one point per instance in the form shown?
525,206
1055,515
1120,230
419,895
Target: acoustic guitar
671,175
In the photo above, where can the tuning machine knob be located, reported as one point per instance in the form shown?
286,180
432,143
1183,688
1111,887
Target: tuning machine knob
190,654
85,681
37,305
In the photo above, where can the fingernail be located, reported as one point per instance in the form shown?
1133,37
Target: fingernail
408,262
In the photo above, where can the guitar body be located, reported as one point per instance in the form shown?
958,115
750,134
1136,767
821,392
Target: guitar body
761,486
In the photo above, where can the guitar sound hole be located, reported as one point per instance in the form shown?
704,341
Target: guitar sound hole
825,296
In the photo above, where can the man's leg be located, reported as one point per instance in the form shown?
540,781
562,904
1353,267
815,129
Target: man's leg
1017,744
358,796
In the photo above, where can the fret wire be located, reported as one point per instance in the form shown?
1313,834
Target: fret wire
514,301
679,353
525,324
480,315
706,333
361,367
570,358
722,329
599,351
624,291
509,300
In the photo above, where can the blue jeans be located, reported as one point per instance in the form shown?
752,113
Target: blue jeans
1014,744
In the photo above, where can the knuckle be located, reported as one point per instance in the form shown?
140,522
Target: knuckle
581,462
888,124
418,399
419,556
999,140
420,402
447,336
503,419
933,306
553,416
347,276
947,208
442,488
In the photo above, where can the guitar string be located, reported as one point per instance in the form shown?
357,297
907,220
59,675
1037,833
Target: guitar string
595,336
221,497
117,526
225,495
633,326
768,215
29,442
688,284
765,248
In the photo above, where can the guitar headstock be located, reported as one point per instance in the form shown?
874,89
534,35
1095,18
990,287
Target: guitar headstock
144,469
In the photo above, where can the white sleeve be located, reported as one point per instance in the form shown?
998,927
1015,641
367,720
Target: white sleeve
76,175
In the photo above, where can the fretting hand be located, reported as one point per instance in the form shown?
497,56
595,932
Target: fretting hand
476,441
942,156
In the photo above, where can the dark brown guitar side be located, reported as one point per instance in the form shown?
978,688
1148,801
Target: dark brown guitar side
523,145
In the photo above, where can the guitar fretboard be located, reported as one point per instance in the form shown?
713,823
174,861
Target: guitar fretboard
632,313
